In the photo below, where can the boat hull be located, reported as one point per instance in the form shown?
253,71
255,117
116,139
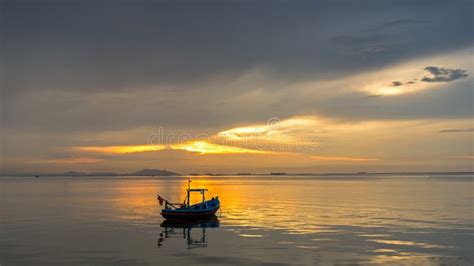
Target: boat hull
189,214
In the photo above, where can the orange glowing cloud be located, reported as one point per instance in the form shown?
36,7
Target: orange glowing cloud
122,149
274,129
346,159
204,147
282,135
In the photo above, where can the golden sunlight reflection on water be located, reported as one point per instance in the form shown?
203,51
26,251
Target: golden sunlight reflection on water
303,206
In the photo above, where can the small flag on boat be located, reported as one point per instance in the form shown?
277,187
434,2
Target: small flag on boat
160,199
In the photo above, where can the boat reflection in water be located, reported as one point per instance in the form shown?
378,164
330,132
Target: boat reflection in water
183,228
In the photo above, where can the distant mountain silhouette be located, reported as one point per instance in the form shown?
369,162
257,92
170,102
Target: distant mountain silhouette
144,172
73,173
154,172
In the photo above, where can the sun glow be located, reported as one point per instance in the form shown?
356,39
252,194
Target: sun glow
407,77
204,147
274,129
381,88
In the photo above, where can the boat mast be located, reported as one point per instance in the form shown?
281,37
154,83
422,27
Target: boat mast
189,188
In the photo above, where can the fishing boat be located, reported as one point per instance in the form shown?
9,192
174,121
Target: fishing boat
186,211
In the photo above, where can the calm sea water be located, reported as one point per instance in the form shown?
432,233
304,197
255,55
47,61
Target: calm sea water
264,220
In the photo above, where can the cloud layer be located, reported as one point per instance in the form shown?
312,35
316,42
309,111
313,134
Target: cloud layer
441,74
107,73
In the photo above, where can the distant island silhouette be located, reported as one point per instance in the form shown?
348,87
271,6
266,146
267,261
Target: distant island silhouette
153,172
144,172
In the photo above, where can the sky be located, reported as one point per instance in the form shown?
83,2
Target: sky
236,86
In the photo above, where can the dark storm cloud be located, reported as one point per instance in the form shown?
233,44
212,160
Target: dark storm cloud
108,65
397,83
441,74
456,130
112,46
